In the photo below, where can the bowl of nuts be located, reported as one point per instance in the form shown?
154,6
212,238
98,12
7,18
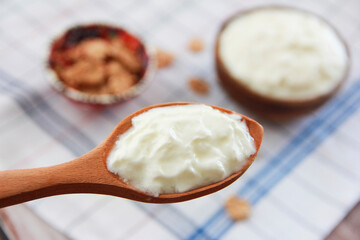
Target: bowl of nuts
99,64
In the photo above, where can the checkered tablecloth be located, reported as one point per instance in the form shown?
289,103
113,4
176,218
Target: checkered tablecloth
304,181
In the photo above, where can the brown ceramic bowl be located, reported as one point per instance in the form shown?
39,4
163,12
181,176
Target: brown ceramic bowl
76,35
267,106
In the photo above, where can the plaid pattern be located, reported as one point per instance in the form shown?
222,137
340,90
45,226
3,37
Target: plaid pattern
303,182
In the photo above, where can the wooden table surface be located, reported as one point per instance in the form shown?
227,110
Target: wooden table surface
349,228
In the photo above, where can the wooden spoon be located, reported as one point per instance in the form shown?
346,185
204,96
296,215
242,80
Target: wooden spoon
89,173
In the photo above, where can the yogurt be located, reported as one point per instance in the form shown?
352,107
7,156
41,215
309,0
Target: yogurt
283,53
179,148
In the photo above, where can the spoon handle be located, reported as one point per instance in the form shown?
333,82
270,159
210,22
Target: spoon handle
86,174
17,186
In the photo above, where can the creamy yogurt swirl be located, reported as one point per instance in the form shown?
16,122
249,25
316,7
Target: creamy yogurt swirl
178,148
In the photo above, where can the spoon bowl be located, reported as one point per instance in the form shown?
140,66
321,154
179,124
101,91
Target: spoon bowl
89,173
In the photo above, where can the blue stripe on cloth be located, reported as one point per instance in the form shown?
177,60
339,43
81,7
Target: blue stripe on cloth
172,219
78,143
315,132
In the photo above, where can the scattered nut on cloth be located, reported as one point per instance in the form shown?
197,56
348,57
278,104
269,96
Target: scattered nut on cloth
199,86
196,45
164,58
238,209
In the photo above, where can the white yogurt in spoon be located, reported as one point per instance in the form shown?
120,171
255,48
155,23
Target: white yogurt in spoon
178,148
